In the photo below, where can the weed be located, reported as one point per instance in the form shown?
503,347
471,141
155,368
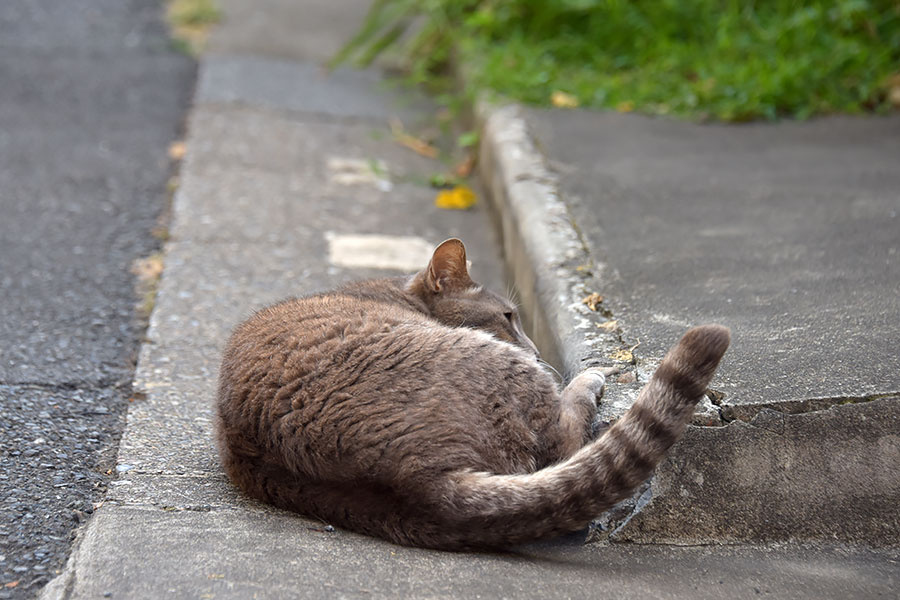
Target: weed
190,21
733,60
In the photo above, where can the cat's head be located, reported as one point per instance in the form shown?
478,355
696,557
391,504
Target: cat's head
455,300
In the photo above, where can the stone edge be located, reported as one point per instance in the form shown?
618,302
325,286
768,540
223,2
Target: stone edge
545,253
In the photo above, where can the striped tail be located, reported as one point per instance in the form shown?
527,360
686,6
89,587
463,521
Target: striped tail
486,510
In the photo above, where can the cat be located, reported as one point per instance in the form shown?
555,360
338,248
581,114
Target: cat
415,409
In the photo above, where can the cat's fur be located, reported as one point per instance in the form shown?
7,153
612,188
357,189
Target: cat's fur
415,409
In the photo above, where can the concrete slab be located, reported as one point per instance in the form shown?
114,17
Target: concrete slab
786,233
280,29
822,475
261,175
256,552
300,86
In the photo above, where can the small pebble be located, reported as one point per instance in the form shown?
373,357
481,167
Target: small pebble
626,378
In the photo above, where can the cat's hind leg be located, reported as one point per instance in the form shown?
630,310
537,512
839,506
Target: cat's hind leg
578,405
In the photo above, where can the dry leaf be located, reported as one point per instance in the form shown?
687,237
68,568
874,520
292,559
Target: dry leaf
415,144
893,87
625,106
622,355
609,326
11,584
457,198
625,354
149,268
561,99
592,301
715,396
177,150
465,166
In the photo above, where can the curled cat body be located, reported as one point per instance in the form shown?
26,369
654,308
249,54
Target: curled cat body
415,409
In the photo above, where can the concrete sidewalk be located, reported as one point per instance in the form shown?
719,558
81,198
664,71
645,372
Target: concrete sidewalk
273,176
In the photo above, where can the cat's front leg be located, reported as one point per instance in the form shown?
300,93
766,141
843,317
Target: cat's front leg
578,405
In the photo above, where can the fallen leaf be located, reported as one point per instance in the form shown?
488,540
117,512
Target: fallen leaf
715,396
417,145
893,86
465,166
148,268
177,150
609,326
12,584
592,301
625,354
625,106
561,99
216,576
457,198
622,355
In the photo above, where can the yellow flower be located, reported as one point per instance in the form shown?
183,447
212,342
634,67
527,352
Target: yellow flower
457,198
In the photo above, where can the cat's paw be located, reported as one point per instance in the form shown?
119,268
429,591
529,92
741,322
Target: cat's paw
595,379
589,384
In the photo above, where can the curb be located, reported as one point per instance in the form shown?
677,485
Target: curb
545,253
552,265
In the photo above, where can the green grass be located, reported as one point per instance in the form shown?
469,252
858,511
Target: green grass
729,60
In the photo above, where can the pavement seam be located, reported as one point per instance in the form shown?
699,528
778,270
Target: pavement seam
301,116
68,386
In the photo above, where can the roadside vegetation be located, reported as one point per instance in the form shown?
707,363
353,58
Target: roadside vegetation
732,60
190,21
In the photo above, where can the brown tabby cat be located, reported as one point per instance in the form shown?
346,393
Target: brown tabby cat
415,409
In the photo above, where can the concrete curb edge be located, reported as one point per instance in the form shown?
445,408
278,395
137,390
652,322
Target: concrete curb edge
546,254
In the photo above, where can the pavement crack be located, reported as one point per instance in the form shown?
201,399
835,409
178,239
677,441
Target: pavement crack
123,385
747,413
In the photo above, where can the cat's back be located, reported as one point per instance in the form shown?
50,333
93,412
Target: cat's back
323,327
362,379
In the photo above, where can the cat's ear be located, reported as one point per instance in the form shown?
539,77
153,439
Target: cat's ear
448,269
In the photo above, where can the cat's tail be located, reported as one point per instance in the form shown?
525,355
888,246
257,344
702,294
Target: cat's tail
500,510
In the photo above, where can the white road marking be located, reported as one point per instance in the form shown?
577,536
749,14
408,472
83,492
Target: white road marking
402,253
354,171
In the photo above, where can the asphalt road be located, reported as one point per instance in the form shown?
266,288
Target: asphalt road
92,94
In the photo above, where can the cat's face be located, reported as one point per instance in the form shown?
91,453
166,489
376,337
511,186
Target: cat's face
478,308
455,300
